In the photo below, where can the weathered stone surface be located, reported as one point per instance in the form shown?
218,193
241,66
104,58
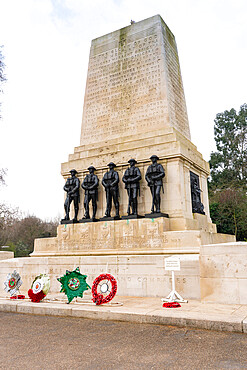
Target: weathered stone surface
4,255
134,107
137,275
134,83
223,273
131,236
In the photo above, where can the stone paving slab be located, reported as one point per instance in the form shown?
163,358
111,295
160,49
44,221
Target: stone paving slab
195,314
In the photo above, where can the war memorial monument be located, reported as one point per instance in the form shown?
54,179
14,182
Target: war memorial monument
136,186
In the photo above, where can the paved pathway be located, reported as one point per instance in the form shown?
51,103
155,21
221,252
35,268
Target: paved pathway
139,310
48,342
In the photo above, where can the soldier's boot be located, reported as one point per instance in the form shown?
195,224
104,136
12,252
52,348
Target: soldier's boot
108,212
158,204
66,218
94,211
108,206
135,207
117,211
76,214
86,214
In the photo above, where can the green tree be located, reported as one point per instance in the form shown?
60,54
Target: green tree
228,183
23,232
228,210
229,163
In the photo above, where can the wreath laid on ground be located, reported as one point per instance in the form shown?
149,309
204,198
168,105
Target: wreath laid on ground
18,296
40,288
171,305
104,289
12,285
73,284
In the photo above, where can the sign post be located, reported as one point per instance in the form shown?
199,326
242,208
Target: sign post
173,264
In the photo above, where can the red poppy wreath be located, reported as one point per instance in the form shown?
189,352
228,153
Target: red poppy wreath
104,289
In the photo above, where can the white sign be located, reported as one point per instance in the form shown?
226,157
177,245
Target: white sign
172,264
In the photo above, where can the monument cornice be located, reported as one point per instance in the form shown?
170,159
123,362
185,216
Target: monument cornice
114,252
141,161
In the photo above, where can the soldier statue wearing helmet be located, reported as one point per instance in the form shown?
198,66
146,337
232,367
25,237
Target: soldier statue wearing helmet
90,185
154,176
72,188
110,182
131,179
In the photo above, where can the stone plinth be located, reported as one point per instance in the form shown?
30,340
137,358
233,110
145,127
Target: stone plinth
126,237
134,250
4,255
178,157
140,275
223,273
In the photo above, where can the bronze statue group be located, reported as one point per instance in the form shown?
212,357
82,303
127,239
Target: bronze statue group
131,178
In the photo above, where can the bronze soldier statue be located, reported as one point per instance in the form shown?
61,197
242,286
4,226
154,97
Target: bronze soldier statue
197,206
131,178
110,182
90,185
154,176
72,187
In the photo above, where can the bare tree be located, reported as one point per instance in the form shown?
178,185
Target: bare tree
2,75
3,172
22,232
8,215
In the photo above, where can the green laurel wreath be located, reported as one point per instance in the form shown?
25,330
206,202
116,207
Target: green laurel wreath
73,284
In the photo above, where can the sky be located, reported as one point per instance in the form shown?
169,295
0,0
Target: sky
46,48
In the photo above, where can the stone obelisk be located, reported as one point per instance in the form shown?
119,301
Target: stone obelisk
134,84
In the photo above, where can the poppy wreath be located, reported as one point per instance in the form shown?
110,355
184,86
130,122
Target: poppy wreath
19,296
36,297
171,305
98,298
40,287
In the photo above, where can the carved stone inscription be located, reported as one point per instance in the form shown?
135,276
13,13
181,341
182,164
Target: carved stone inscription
178,111
123,93
134,84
